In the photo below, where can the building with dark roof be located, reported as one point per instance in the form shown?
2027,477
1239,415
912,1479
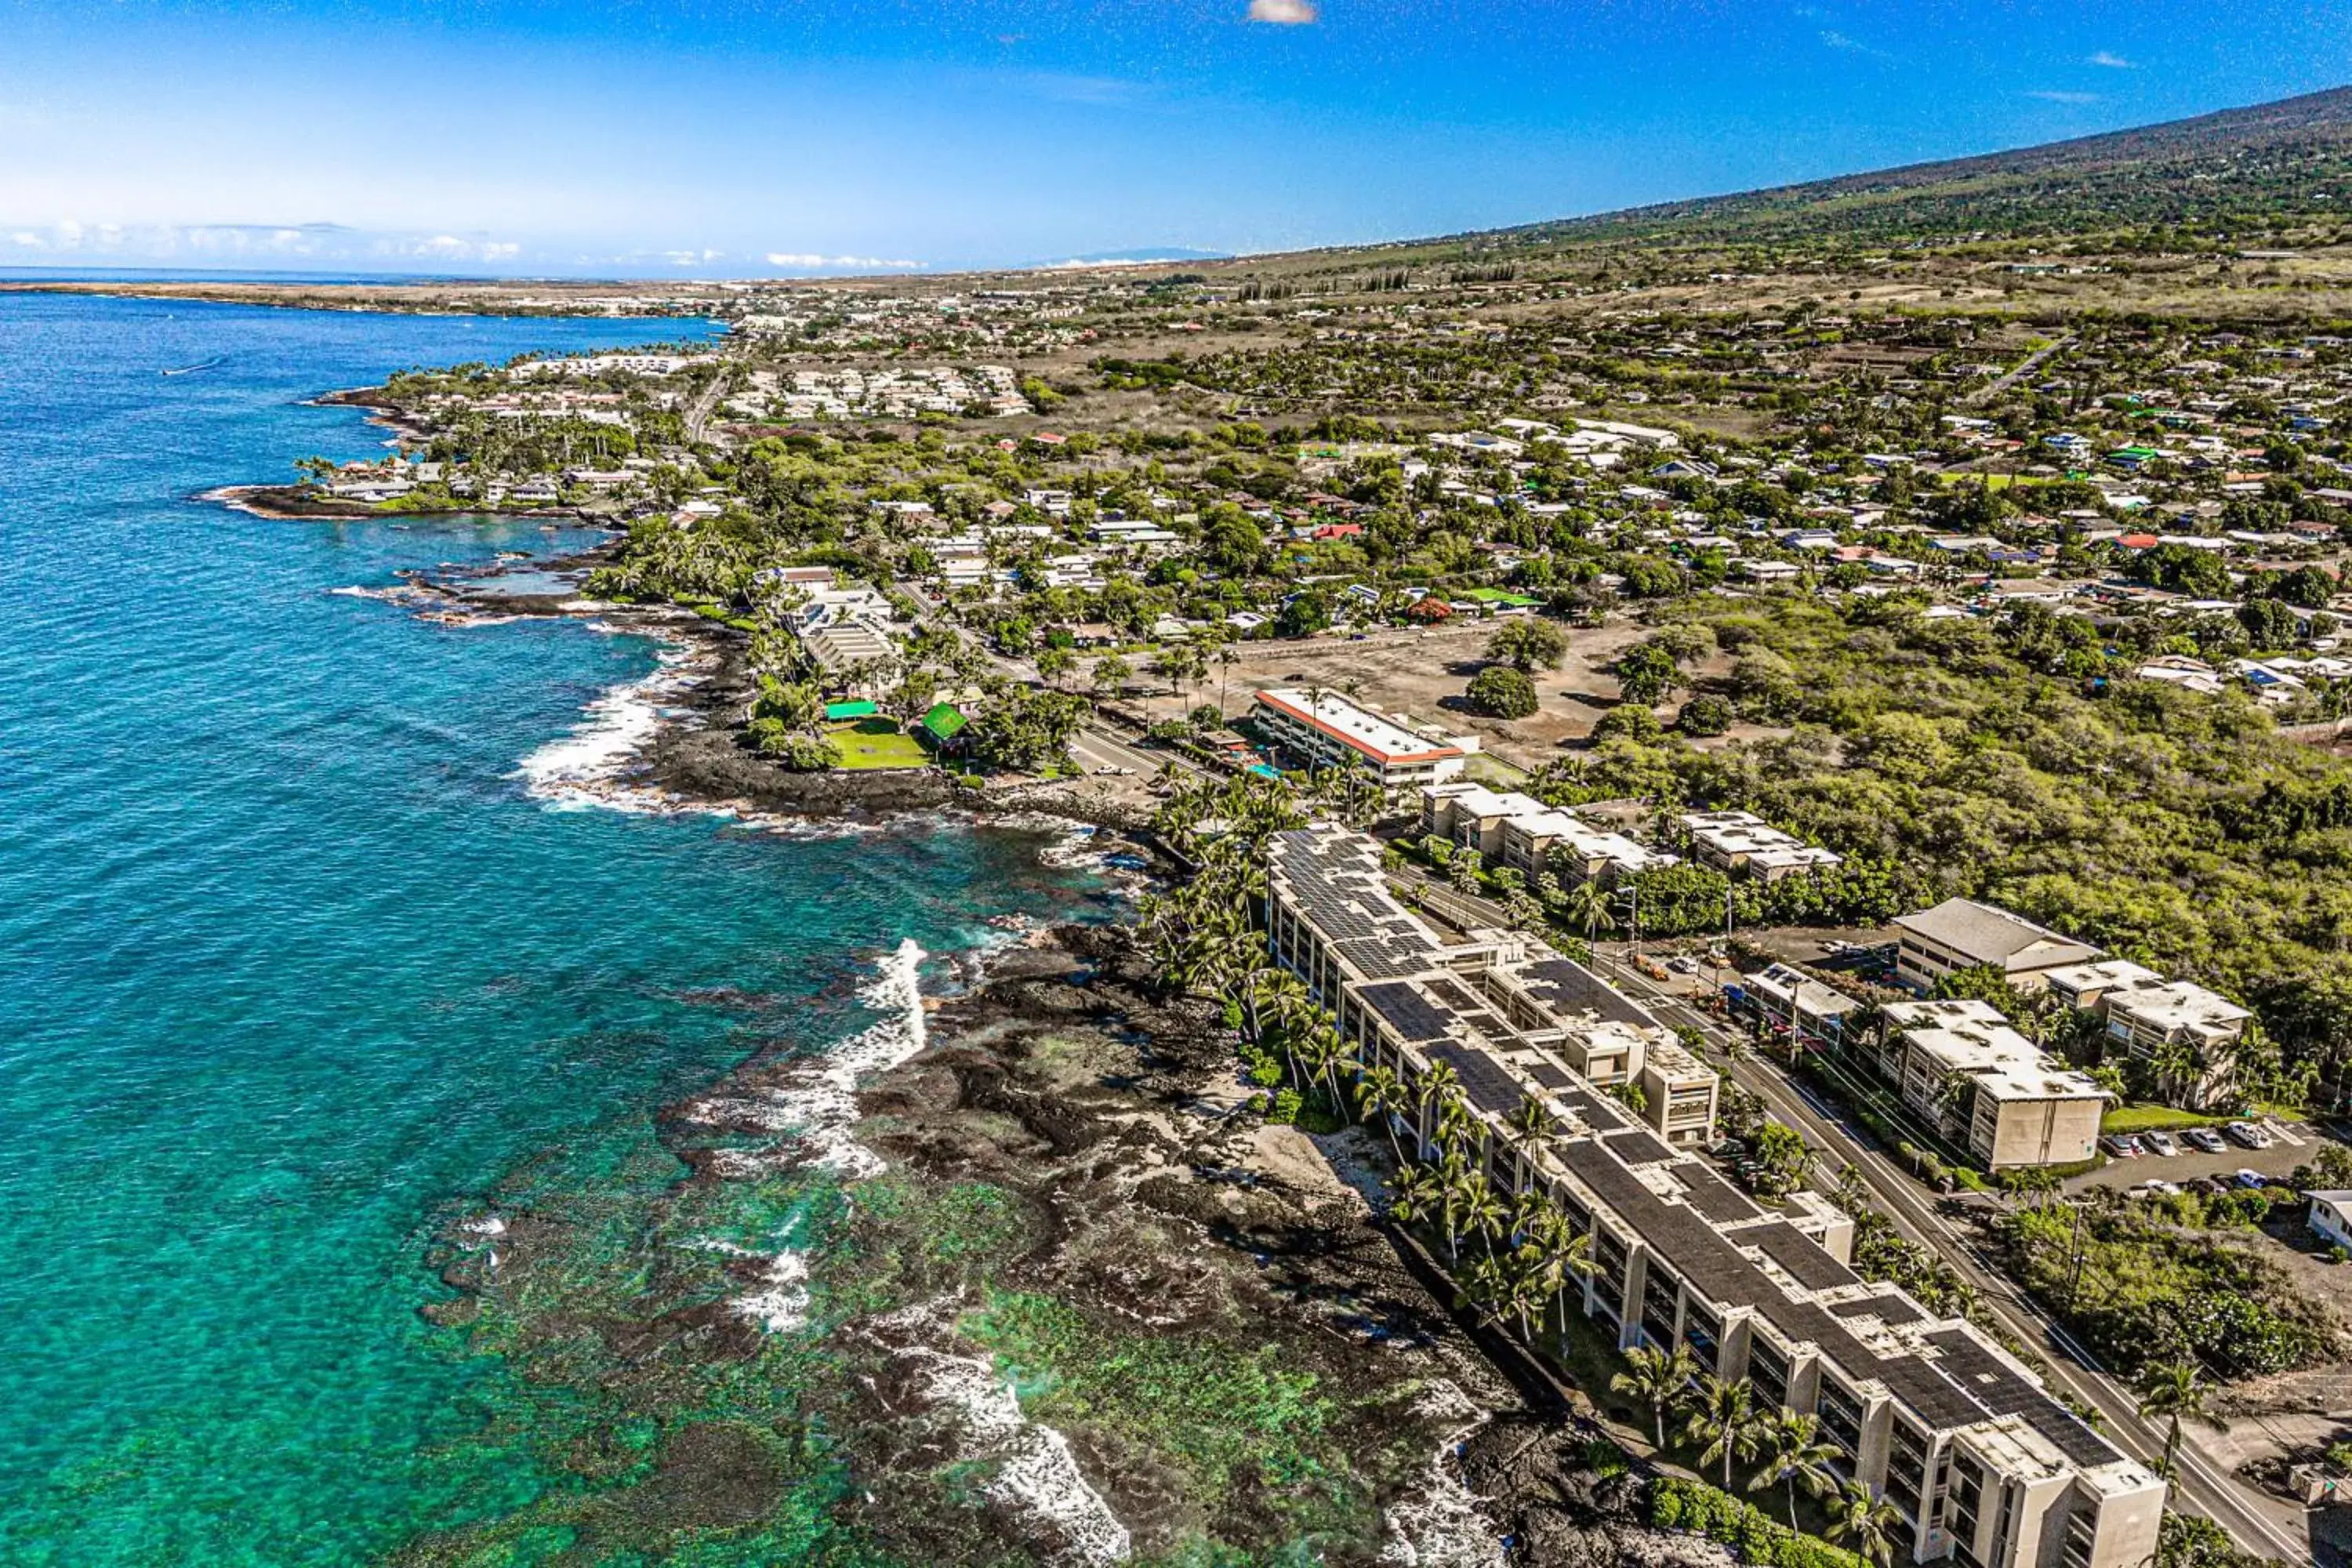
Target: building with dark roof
1988,1469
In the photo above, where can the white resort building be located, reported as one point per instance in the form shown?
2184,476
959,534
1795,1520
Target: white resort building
1326,729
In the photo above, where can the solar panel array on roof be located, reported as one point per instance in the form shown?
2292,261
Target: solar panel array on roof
1406,1010
1718,1200
1550,1075
1798,1253
1701,1254
1567,986
1638,1148
1487,1082
1998,1389
1885,1308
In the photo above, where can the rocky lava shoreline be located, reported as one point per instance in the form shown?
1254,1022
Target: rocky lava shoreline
1053,1295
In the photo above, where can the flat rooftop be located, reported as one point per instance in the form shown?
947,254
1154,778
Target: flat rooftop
1332,714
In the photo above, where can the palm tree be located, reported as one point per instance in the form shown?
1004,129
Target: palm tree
1483,1211
1461,1192
1315,1053
2172,1391
1793,1451
1434,1087
1587,905
1872,1521
1380,1093
1529,1126
1725,1421
1413,1194
1659,1379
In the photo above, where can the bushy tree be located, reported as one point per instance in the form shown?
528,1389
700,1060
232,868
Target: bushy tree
1503,692
1528,645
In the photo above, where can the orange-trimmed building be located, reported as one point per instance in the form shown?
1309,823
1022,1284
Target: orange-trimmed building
1326,729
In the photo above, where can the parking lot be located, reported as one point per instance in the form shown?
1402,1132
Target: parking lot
2292,1145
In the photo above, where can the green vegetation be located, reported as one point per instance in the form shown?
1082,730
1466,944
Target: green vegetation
1694,1506
2139,1290
877,743
1961,757
1241,1428
1503,692
2153,1119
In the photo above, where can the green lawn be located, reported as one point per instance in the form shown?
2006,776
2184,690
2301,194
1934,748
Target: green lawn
877,743
2153,1117
1483,768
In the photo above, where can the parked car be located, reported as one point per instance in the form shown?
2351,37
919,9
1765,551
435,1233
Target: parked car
2154,1189
2247,1135
2250,1179
2206,1139
2211,1187
2159,1144
2122,1145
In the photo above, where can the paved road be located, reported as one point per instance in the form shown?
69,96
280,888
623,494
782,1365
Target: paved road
2259,1523
2032,362
1097,747
700,414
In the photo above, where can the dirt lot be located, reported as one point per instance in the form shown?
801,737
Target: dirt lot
1425,673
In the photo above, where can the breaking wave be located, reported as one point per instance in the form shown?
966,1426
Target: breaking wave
591,765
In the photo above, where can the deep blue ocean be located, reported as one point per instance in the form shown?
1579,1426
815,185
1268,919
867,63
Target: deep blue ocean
293,967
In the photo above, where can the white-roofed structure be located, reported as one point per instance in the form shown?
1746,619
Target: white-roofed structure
1329,729
1960,934
1740,842
1989,1088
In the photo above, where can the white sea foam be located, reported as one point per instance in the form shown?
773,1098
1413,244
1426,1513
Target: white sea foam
782,1302
819,1105
1036,1473
1443,1524
816,1111
589,766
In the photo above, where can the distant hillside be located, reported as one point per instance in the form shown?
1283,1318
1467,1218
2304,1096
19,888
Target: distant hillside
2247,170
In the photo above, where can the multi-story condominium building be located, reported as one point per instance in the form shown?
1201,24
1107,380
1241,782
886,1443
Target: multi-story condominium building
1740,842
1327,730
1987,1087
1988,1470
1961,934
2187,1034
1473,815
1529,836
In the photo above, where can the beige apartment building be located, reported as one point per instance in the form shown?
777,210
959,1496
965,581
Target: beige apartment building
1987,1087
2144,1013
1742,844
1986,1467
1960,934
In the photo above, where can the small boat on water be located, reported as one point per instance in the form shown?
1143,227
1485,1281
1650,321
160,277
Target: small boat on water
192,369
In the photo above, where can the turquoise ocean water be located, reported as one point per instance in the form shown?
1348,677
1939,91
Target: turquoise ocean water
291,966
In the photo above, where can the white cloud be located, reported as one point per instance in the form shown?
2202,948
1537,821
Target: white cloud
1282,13
1844,44
2113,62
2053,96
858,263
202,243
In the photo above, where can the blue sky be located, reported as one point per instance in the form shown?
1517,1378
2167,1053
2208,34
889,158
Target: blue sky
731,138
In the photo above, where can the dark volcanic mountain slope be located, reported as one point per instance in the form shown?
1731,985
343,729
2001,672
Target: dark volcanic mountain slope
2254,169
